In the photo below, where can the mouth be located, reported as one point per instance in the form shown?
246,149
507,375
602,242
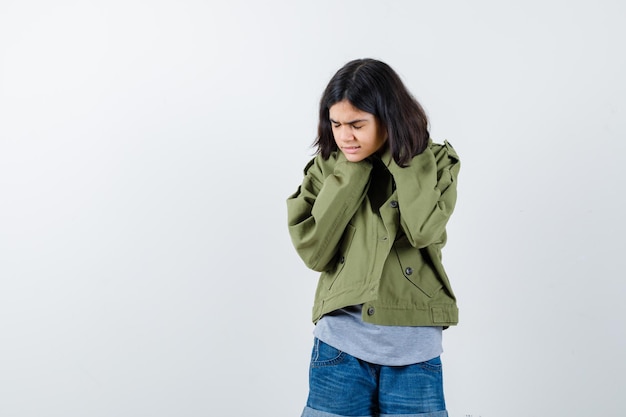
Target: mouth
350,149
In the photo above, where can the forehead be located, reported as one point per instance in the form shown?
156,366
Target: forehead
344,111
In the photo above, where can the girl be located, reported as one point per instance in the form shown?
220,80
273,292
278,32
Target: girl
371,216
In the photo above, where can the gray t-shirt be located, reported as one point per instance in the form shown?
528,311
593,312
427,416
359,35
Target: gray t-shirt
345,330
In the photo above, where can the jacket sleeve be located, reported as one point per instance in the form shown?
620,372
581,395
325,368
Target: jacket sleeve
319,211
427,193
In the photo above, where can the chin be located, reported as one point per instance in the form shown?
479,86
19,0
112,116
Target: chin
353,158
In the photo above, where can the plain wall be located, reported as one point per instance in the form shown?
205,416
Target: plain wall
147,149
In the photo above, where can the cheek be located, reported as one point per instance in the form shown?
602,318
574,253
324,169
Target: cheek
376,140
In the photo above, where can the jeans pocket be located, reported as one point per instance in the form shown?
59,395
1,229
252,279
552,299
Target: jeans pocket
433,365
325,355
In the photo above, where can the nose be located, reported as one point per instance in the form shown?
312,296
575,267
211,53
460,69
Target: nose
344,133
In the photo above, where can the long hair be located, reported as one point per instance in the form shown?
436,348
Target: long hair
374,87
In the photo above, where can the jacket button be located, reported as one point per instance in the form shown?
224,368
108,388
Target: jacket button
408,271
370,311
394,204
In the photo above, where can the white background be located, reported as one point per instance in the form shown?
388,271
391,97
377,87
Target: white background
147,149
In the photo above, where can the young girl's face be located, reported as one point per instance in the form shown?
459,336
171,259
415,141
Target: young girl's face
358,134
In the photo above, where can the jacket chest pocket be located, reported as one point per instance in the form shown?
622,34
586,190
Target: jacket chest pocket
416,268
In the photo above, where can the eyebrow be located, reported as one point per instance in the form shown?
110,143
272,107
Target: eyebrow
349,123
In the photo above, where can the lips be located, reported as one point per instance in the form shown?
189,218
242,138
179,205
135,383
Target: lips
350,149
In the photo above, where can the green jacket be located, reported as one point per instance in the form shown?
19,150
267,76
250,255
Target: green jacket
375,232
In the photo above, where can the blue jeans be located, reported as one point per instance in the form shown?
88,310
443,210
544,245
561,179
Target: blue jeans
342,385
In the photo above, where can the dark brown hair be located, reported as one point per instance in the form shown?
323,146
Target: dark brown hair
374,87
